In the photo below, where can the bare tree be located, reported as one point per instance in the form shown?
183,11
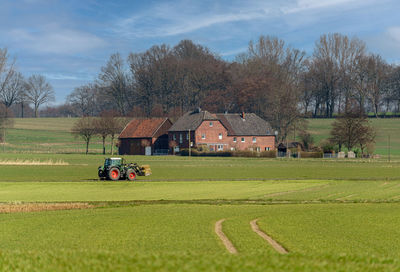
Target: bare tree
5,122
38,91
352,129
114,83
85,128
84,99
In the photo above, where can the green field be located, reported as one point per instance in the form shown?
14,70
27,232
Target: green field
331,215
52,135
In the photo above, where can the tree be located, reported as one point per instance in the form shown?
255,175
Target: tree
84,128
352,129
38,91
114,84
333,70
111,124
84,98
269,83
5,122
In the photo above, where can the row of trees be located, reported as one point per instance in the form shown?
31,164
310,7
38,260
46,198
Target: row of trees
15,89
107,124
272,79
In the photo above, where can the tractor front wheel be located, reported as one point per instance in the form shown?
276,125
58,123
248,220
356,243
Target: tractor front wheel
114,174
131,175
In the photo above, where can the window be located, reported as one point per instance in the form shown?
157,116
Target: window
187,136
220,147
174,137
233,149
220,136
254,139
234,139
180,138
242,139
258,149
203,136
267,149
211,124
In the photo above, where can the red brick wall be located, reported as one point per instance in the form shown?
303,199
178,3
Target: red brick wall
212,139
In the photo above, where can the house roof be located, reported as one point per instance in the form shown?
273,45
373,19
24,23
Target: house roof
142,128
192,120
250,125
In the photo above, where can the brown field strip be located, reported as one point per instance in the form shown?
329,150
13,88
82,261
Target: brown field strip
267,238
227,243
38,207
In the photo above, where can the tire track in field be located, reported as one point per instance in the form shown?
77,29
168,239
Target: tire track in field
267,238
225,240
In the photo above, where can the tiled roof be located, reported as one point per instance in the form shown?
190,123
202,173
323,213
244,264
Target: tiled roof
250,125
142,128
192,120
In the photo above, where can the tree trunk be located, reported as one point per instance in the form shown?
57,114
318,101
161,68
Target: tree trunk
87,147
104,145
112,144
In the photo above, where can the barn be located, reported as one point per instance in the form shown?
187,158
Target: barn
145,137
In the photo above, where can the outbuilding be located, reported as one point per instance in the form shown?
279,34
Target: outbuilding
145,137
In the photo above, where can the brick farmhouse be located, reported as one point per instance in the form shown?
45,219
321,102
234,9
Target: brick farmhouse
219,132
145,137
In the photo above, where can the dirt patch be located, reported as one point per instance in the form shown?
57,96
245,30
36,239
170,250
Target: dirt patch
227,243
267,238
33,162
37,207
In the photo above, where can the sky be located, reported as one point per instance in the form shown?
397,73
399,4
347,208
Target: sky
68,41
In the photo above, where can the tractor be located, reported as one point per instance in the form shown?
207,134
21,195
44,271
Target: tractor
117,169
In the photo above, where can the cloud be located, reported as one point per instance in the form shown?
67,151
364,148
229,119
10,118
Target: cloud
306,5
56,40
387,44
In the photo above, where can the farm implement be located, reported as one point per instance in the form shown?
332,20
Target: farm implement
116,169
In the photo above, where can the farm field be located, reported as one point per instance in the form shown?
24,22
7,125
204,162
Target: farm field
52,135
330,215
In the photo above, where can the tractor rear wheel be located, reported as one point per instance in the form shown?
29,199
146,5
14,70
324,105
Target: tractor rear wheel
114,174
131,175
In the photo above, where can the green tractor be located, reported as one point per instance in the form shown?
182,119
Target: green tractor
116,169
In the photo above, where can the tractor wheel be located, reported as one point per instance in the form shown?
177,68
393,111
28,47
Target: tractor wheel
114,174
131,175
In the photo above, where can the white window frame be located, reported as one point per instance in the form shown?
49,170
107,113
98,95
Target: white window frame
211,124
203,136
220,136
234,139
267,149
220,147
254,139
242,140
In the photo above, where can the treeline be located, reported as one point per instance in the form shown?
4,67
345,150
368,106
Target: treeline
19,94
271,79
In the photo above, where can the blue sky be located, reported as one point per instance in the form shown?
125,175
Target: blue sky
68,41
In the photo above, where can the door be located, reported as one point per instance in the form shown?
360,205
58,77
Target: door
147,151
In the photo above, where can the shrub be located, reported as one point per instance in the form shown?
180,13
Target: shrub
304,154
268,154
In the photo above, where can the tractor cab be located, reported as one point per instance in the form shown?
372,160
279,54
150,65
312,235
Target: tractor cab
113,162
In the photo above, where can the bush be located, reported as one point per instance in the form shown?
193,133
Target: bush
268,154
304,154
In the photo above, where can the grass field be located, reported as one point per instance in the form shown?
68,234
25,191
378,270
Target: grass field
331,215
52,135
